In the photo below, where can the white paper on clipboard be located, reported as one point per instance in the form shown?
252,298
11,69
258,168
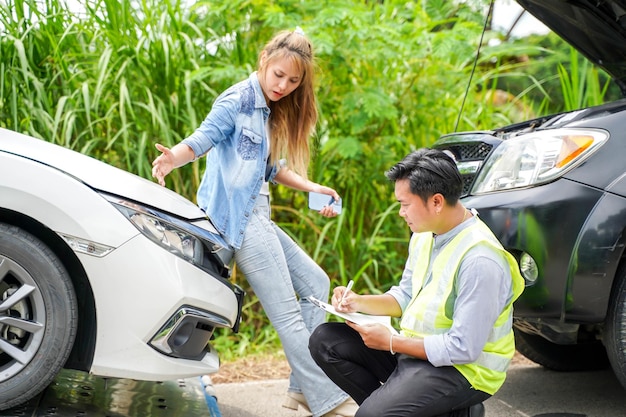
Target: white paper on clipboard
358,318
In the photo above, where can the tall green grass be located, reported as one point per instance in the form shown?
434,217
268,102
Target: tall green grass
581,83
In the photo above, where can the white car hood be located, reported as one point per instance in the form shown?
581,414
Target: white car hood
99,175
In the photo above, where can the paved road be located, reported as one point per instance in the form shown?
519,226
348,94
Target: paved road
530,391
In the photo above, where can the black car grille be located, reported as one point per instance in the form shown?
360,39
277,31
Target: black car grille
471,151
467,152
468,180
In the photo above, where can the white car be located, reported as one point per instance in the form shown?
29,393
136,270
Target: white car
102,271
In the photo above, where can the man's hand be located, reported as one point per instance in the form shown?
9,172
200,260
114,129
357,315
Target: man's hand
375,336
344,300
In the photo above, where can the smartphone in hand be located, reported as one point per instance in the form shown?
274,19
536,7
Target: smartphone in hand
318,201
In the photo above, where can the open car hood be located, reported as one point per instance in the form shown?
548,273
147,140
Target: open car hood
597,29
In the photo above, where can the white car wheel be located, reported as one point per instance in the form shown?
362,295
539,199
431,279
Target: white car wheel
38,316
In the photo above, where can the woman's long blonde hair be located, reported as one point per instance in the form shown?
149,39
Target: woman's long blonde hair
293,118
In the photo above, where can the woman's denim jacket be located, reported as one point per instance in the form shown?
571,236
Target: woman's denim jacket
235,134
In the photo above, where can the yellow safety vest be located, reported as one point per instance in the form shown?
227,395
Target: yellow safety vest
431,308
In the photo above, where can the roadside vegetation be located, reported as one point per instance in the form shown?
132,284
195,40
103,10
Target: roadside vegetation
110,78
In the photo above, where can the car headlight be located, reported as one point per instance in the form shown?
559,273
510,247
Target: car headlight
536,158
197,241
165,234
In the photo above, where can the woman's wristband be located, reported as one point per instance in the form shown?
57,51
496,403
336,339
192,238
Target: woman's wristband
391,343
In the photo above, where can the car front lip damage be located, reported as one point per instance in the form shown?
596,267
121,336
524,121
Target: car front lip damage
157,284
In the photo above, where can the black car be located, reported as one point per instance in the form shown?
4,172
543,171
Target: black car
553,190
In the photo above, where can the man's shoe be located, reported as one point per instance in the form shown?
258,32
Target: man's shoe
477,410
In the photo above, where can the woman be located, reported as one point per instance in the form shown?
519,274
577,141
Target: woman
251,127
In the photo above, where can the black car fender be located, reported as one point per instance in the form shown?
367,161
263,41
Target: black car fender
595,260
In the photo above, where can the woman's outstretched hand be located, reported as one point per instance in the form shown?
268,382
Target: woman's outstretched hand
163,164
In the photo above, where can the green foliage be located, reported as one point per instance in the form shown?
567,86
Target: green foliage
546,76
117,76
581,85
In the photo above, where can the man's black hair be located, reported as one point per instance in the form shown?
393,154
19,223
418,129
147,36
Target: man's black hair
429,171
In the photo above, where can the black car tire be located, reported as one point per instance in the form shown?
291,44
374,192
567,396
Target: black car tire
38,316
615,327
587,356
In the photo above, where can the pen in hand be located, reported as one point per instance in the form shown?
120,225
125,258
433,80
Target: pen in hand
346,291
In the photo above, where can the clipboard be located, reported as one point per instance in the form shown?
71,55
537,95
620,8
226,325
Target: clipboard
358,318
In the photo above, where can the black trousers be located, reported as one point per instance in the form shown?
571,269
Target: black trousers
386,385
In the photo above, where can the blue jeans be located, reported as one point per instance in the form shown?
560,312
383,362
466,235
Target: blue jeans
277,269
